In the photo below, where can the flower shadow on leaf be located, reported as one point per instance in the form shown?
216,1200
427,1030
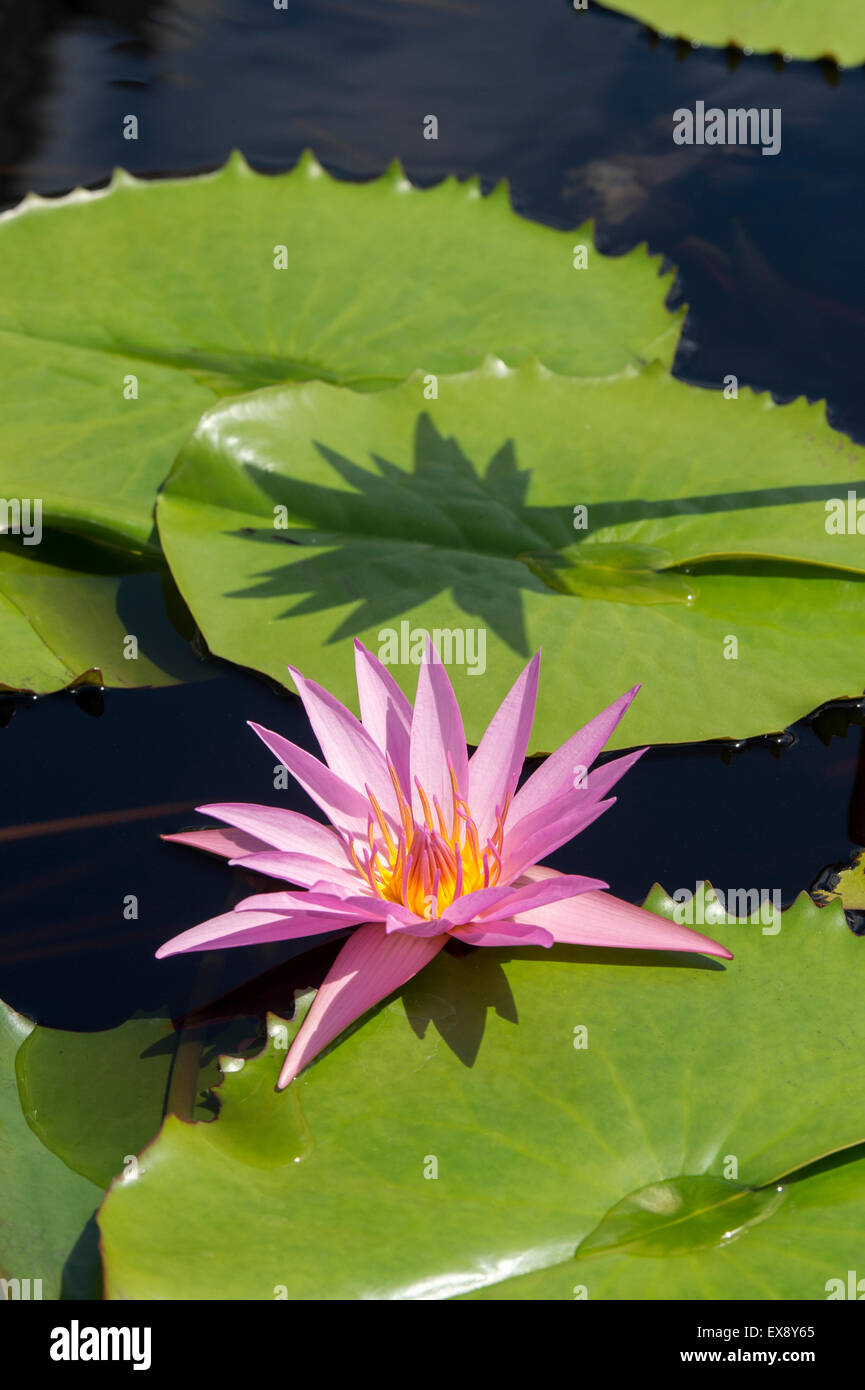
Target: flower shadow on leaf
391,539
454,992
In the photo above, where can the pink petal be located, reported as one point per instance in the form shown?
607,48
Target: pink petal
251,929
470,905
602,779
418,926
538,837
548,816
272,826
384,710
379,910
494,768
555,776
303,869
370,966
215,840
523,899
343,804
504,900
436,734
536,873
301,900
599,919
348,749
504,934
365,907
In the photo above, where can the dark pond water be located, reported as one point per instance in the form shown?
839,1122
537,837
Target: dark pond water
574,108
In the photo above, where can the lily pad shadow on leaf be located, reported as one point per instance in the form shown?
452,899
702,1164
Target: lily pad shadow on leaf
430,519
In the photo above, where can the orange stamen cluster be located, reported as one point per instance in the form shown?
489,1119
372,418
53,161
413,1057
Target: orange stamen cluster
425,866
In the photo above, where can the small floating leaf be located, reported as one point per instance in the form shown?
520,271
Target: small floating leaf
618,573
680,1216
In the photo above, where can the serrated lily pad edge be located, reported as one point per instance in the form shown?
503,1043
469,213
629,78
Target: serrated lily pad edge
677,35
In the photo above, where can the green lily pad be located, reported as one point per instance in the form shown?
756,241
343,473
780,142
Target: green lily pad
68,610
175,290
299,517
469,1131
45,1205
832,30
95,1099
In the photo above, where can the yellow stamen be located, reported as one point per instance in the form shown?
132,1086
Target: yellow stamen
424,801
404,808
426,865
455,793
382,823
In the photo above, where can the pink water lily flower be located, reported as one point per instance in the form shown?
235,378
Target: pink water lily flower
425,843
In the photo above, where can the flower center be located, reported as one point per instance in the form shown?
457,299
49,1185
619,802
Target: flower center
426,865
